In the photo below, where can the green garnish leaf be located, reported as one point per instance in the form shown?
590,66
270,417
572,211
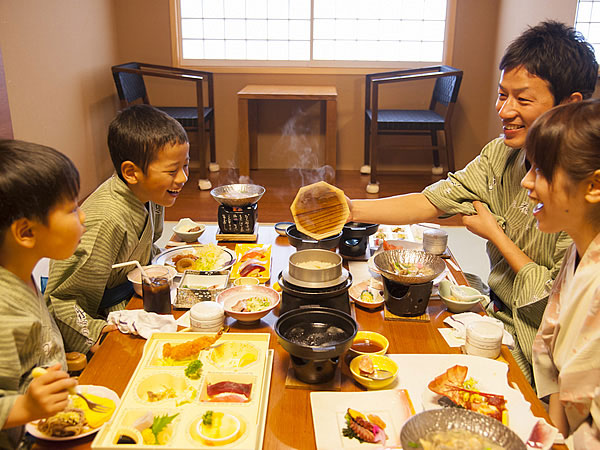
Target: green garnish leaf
194,369
159,423
207,418
413,444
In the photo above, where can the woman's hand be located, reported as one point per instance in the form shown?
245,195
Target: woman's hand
483,224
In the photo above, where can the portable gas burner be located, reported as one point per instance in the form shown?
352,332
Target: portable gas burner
237,219
355,239
238,212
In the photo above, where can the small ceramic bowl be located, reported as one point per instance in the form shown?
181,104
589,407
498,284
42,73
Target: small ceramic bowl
365,339
136,279
451,303
380,362
229,297
356,290
184,228
246,281
280,227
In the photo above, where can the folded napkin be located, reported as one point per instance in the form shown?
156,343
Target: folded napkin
138,321
460,321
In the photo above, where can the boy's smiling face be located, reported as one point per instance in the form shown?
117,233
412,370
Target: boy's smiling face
522,98
165,176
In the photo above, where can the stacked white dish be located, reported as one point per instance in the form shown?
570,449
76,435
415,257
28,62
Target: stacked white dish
207,316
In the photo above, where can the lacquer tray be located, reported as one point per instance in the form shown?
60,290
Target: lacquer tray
264,259
252,364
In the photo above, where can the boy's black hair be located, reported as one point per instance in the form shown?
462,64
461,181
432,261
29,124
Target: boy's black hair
139,132
557,54
33,180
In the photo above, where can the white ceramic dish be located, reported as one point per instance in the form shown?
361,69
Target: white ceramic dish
181,229
229,297
166,258
491,374
100,391
136,278
280,227
456,306
356,289
329,408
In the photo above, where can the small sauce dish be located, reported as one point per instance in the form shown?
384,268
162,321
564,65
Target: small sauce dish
188,231
280,227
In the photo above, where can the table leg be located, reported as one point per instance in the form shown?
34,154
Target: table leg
253,132
330,134
243,138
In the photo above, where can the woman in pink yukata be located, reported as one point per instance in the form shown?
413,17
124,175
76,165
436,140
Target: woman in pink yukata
563,147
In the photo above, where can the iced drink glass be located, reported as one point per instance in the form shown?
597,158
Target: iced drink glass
157,291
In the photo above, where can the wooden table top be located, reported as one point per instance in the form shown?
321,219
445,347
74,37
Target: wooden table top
274,92
289,419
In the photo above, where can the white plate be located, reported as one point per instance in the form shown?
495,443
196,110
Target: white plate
167,256
100,391
491,375
329,408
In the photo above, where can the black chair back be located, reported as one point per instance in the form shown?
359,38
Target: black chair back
446,88
130,86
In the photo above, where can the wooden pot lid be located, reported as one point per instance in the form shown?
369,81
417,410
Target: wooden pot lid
320,210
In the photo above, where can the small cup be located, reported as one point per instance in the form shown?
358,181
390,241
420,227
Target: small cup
435,241
246,281
156,291
484,338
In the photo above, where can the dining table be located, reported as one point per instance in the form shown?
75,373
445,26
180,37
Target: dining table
289,422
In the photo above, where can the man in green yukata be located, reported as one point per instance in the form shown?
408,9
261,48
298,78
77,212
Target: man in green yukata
547,65
124,217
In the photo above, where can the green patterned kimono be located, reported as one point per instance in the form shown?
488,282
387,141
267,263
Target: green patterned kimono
28,338
494,178
118,229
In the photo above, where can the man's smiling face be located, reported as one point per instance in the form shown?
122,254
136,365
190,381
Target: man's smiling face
522,98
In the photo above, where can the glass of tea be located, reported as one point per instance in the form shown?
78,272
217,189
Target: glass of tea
156,291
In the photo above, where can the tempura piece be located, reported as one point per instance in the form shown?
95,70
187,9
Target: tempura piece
190,349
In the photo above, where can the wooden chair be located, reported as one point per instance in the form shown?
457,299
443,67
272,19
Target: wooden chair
411,122
129,79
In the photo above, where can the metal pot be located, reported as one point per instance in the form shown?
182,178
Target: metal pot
315,275
302,241
315,332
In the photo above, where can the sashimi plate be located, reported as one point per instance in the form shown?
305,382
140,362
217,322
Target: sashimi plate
394,407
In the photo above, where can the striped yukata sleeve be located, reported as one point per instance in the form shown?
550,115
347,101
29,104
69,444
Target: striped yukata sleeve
28,338
76,285
494,178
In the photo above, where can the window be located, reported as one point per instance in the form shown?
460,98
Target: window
588,22
310,32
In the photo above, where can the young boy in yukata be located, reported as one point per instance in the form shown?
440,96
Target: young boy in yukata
547,65
563,183
124,217
40,219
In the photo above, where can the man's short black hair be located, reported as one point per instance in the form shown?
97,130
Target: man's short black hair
557,54
139,132
33,180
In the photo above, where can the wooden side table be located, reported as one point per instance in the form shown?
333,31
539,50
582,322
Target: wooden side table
248,108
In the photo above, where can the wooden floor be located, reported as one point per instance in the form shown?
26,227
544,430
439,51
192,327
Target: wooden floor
281,188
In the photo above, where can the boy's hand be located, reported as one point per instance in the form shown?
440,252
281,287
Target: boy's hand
105,329
48,393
